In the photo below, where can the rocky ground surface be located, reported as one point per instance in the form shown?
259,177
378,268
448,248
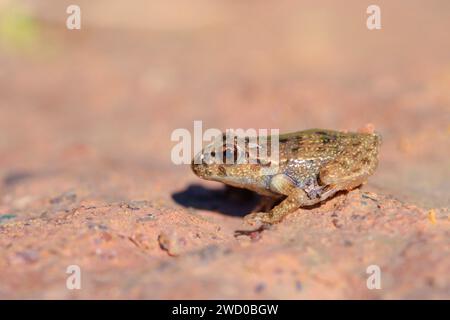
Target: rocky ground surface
86,176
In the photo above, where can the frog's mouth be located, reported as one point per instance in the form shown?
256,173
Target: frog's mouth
246,183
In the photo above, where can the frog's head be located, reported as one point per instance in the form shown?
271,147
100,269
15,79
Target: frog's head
231,160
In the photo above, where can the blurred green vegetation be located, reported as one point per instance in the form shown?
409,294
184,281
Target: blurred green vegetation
19,30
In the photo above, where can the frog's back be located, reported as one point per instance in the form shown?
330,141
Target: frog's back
323,144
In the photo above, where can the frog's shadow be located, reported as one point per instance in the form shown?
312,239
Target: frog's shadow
228,200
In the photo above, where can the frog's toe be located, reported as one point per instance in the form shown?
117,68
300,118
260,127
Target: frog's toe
259,218
253,218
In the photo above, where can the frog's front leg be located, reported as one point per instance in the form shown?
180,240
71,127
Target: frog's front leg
296,197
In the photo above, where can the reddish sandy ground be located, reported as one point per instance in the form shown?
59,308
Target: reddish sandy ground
85,171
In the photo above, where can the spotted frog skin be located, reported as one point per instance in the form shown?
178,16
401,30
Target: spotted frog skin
311,166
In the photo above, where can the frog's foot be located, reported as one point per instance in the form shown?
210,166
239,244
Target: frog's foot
258,218
253,233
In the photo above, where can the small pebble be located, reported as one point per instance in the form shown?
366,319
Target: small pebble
260,287
6,217
169,243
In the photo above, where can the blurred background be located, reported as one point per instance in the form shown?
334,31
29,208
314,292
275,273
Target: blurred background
91,111
111,93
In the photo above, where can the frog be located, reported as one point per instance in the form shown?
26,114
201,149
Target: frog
310,167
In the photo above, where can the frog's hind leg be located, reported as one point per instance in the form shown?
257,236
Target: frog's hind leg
346,172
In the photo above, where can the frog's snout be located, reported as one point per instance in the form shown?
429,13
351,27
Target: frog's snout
194,166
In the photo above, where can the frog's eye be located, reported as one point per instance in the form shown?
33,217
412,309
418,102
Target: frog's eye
230,154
